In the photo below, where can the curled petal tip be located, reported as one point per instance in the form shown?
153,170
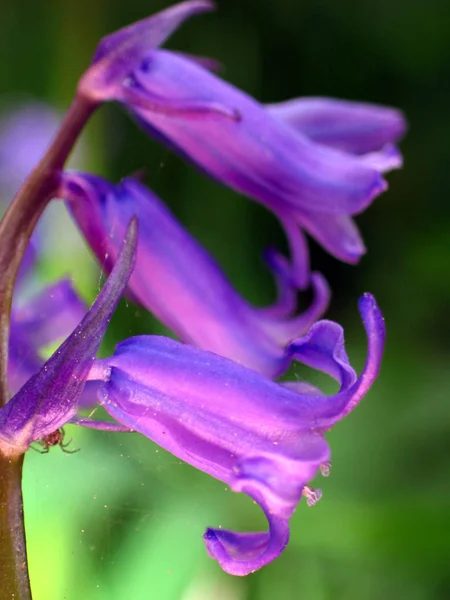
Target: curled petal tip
372,317
354,255
391,151
367,300
386,159
244,553
198,5
117,51
367,304
321,288
380,186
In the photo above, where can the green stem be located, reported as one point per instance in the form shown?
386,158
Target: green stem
15,231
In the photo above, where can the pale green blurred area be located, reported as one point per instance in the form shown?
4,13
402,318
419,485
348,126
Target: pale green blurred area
122,519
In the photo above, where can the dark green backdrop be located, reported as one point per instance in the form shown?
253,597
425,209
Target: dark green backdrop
122,519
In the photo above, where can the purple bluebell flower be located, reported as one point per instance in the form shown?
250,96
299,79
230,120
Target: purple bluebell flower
280,155
177,280
49,398
262,438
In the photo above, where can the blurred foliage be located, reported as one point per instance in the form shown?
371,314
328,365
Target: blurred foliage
123,519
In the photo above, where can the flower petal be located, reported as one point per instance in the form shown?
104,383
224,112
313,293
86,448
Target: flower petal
323,349
299,272
259,151
50,397
150,376
283,329
286,302
386,159
259,437
180,283
355,127
225,420
115,51
258,155
337,233
245,553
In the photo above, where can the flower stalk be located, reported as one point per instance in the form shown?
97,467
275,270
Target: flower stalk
15,231
21,217
14,578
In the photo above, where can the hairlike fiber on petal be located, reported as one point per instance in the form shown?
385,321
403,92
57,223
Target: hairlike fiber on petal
180,283
259,437
50,397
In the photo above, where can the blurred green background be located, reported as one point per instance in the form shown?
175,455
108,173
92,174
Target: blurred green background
122,519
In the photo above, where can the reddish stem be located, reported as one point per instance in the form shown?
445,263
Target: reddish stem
15,231
22,215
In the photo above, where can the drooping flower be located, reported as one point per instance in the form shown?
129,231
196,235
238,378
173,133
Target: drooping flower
49,398
177,280
278,155
259,437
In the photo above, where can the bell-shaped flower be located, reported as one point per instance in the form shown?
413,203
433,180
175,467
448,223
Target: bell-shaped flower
262,438
312,174
178,281
50,397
